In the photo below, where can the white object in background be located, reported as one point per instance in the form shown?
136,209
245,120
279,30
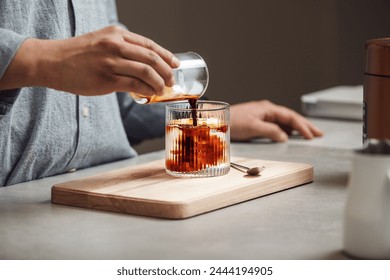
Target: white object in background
367,213
344,102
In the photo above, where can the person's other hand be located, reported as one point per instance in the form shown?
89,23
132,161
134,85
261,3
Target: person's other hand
100,62
265,119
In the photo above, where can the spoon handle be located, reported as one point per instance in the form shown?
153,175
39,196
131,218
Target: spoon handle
239,166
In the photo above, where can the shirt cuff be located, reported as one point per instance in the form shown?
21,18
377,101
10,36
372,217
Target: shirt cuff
9,45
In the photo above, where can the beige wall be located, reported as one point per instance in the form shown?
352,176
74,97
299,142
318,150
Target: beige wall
258,49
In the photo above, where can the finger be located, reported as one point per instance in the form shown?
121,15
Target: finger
301,126
305,127
149,57
268,130
295,121
315,130
137,39
130,84
140,71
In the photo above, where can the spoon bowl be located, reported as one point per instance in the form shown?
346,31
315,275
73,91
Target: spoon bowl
251,171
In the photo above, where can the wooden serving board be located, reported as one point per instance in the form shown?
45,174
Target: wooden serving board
147,190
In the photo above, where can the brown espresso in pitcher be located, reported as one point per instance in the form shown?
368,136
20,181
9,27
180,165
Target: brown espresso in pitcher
168,95
195,143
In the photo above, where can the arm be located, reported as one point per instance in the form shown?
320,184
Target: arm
112,58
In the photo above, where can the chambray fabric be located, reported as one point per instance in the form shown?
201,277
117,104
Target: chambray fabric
44,132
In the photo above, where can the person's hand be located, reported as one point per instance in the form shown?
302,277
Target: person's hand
100,62
264,119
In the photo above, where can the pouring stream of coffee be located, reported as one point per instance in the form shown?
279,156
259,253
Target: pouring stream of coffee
192,102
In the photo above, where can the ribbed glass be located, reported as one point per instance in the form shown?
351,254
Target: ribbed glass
197,142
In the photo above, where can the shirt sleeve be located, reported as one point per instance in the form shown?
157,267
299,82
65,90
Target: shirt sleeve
141,122
112,14
9,44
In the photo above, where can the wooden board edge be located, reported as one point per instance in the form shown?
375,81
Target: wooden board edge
117,204
191,208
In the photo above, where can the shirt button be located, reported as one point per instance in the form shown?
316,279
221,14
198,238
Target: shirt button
85,111
71,170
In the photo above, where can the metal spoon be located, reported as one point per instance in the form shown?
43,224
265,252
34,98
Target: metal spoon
252,171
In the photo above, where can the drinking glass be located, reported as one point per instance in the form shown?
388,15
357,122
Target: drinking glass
197,140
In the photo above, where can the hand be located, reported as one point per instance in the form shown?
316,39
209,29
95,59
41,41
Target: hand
265,119
100,62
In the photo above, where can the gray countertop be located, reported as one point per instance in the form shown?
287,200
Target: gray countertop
301,223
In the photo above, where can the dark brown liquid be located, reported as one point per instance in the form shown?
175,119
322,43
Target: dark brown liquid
168,96
196,147
192,102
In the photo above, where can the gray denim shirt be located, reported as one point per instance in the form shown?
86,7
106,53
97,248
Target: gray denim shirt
44,132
